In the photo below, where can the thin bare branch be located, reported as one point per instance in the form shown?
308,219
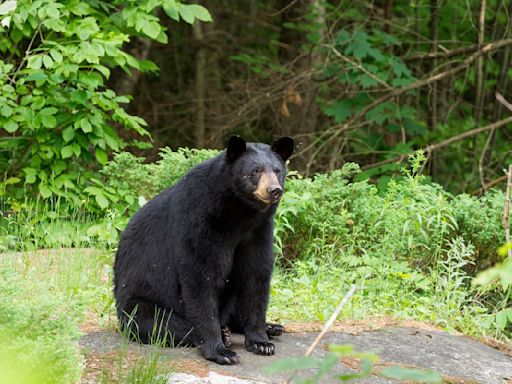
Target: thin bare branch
420,83
445,143
440,54
503,101
327,325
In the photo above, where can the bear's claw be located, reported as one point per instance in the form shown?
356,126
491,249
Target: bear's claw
223,356
226,335
261,348
274,330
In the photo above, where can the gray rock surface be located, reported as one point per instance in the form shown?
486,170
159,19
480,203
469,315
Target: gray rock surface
452,356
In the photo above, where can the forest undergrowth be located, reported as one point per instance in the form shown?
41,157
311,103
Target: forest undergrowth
412,249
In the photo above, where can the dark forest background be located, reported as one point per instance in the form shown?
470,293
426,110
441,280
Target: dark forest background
351,81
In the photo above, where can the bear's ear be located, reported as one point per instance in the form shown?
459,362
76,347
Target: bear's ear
283,147
236,146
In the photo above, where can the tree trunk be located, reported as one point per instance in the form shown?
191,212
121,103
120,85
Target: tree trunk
199,88
433,36
300,111
480,64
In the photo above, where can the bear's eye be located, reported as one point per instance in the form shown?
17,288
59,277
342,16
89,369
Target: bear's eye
277,171
256,171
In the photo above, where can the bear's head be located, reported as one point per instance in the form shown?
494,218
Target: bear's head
258,170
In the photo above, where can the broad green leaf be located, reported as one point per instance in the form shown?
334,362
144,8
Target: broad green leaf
502,319
35,62
186,14
162,37
56,55
112,141
171,9
68,134
30,175
340,110
6,111
200,12
10,126
79,96
101,200
58,166
67,151
85,125
152,4
103,70
12,180
81,8
47,61
48,111
76,149
49,121
37,75
52,11
148,66
44,191
152,29
101,156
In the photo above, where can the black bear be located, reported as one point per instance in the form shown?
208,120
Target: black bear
196,260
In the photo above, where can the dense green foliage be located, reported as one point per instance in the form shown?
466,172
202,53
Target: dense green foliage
353,81
411,242
58,114
415,247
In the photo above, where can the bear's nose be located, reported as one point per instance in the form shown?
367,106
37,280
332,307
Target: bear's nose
275,192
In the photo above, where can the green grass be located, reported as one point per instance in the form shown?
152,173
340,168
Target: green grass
44,296
311,290
38,332
146,370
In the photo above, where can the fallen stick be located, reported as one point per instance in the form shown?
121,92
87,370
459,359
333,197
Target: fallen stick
326,327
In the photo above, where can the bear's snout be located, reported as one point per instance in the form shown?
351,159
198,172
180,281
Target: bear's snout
275,192
269,189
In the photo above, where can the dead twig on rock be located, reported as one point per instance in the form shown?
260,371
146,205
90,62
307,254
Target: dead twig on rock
326,327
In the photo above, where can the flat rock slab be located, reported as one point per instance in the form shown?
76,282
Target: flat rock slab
458,358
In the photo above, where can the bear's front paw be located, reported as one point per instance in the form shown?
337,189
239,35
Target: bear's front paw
221,355
274,330
260,348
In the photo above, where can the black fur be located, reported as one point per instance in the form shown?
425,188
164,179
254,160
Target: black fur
198,257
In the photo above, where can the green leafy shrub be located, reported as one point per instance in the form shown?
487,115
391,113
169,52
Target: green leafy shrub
480,221
58,117
129,178
413,220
